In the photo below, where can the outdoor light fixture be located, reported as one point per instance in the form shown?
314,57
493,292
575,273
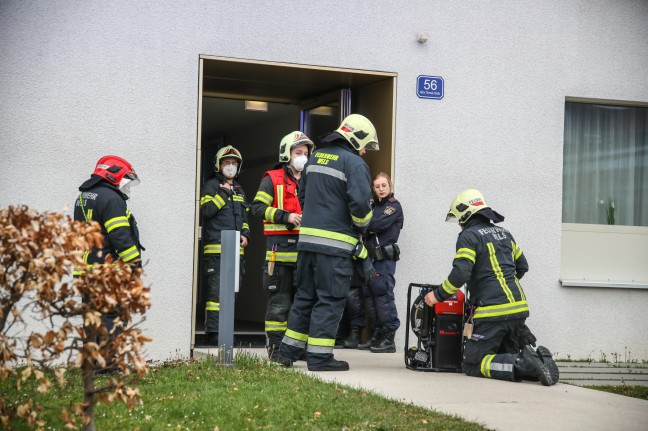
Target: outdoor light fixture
254,105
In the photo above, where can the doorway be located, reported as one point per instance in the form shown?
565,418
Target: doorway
294,97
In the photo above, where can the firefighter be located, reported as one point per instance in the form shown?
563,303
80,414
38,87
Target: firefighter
335,197
382,235
491,264
103,199
277,204
223,207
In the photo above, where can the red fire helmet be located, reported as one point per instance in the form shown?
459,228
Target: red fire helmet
116,170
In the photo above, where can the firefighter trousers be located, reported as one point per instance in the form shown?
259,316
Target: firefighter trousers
280,290
322,287
493,348
212,303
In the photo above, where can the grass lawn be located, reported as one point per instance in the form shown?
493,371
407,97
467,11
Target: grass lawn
635,391
252,395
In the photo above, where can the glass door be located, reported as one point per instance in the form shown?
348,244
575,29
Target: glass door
324,113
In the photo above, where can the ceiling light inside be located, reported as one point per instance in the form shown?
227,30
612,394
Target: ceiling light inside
322,110
253,105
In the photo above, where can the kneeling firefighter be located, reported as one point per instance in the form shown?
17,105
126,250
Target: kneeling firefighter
277,204
382,235
491,264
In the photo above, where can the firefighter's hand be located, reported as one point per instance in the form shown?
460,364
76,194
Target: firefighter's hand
244,241
430,299
294,218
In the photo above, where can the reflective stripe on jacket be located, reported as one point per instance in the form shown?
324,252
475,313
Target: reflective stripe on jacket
335,194
491,264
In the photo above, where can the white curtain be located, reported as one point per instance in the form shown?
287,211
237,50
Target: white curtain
605,165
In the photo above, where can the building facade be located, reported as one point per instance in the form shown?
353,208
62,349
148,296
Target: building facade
525,83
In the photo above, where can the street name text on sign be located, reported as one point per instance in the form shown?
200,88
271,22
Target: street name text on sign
429,87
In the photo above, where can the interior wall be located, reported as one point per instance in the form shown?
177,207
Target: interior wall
376,102
257,144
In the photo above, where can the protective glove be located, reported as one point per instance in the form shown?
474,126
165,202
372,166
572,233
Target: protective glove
363,269
525,337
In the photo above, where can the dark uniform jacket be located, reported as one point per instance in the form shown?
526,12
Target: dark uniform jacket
490,263
385,225
335,196
222,209
104,203
286,245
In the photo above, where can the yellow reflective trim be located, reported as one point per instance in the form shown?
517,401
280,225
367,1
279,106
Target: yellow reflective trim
517,251
501,309
269,214
129,254
449,287
329,234
280,196
216,249
212,306
485,365
264,197
237,198
499,274
90,214
271,326
522,295
466,253
273,227
297,335
325,342
245,226
362,221
283,256
115,222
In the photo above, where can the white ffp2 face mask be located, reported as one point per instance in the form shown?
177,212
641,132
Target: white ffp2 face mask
299,162
230,171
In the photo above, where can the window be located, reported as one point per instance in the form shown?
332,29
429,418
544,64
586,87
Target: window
605,164
605,195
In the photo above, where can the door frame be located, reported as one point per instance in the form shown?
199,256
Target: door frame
247,79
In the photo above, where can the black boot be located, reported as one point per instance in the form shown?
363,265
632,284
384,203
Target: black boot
332,365
545,357
375,340
353,340
386,344
529,364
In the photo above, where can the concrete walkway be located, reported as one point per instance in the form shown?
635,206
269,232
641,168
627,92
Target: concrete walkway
496,404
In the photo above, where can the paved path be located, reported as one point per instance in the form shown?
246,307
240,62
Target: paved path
496,404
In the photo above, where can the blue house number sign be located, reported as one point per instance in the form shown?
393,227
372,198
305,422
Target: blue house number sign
429,87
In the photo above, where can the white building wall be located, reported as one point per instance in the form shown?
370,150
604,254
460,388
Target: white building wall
79,79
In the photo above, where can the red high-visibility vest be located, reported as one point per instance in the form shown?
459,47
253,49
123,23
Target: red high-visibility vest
285,198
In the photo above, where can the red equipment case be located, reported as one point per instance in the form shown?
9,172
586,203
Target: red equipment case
439,330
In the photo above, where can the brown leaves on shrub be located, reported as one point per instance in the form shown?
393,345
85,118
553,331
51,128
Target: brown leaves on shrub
38,252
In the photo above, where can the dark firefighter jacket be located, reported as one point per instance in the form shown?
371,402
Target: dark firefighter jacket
222,209
335,195
104,203
385,225
274,201
491,264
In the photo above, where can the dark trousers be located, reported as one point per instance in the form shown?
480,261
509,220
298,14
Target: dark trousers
280,290
212,303
379,293
322,287
492,350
